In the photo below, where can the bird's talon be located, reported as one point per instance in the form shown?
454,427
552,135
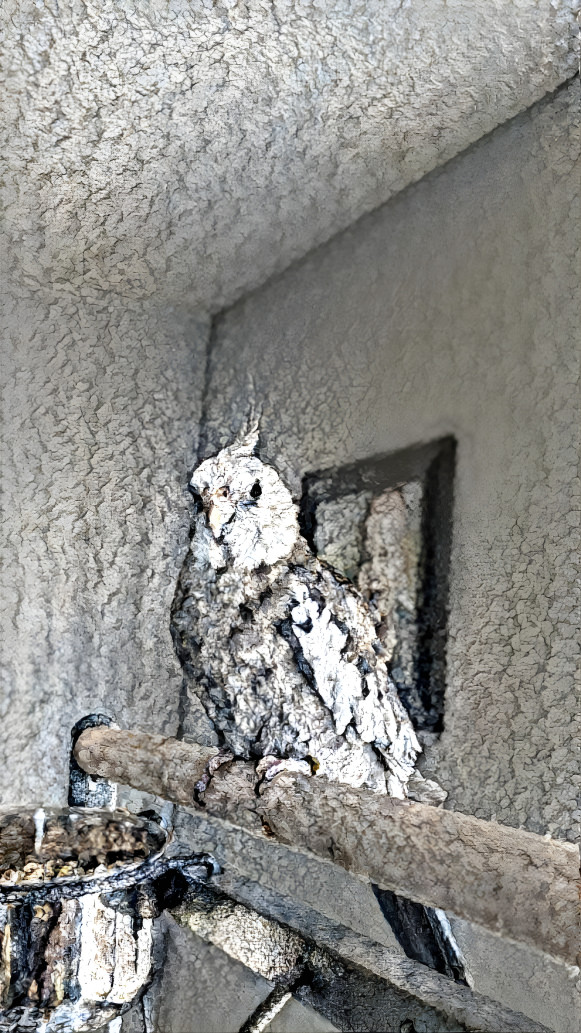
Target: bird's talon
269,767
224,756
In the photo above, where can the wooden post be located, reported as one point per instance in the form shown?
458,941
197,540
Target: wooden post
515,883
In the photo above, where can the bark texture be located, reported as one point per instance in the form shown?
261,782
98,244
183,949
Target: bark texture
163,766
517,884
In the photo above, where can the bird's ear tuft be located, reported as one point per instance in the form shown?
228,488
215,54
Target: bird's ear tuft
246,442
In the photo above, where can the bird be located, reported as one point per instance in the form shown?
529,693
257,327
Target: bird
282,650
283,653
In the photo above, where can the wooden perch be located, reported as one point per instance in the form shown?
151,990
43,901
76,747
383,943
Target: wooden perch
515,883
337,970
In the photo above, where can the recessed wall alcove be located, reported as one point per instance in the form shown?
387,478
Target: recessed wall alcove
386,523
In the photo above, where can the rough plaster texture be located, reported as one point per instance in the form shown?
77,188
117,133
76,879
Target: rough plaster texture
454,310
194,148
189,151
102,403
537,985
299,1018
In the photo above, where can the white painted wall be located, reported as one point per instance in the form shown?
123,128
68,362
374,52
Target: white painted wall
454,309
181,153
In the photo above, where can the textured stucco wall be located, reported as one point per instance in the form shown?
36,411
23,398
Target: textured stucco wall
455,310
181,153
167,157
101,405
193,148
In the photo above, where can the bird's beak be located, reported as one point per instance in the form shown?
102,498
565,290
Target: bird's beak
215,519
219,511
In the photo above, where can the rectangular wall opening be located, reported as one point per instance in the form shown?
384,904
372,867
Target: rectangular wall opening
386,524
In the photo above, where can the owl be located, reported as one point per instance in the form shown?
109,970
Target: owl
280,649
283,654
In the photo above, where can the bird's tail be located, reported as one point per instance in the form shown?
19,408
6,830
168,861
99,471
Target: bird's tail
424,934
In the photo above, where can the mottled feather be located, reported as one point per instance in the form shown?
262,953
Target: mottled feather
280,649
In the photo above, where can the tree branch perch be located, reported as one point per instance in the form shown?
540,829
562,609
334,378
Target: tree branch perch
517,884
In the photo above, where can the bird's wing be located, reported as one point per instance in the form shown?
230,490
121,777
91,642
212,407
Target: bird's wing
284,662
332,632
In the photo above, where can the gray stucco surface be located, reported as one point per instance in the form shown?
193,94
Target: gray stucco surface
102,405
202,989
455,310
167,157
192,148
299,1018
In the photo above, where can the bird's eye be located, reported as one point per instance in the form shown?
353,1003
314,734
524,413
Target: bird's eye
256,490
224,492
